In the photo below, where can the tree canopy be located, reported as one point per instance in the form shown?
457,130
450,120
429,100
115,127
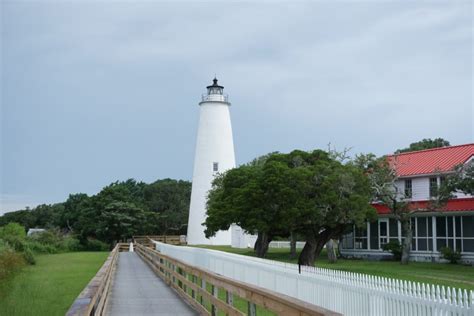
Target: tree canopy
309,193
426,143
117,212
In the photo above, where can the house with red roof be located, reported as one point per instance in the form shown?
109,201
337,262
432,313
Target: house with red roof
420,173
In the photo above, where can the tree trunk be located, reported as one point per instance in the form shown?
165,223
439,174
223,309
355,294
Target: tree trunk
407,242
321,241
262,243
307,255
330,246
293,245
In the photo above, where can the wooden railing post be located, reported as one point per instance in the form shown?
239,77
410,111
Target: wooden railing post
251,309
193,292
214,291
203,286
229,298
185,288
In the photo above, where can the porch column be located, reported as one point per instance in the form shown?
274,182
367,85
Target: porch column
368,235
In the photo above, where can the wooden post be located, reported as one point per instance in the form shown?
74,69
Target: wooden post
194,280
203,286
214,291
229,298
252,309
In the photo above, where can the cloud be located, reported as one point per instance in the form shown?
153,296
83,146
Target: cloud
13,202
101,91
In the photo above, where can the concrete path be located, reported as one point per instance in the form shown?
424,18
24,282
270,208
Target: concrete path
138,291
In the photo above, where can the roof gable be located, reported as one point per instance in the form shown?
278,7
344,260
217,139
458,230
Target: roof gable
429,161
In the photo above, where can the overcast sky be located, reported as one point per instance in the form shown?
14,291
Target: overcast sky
98,91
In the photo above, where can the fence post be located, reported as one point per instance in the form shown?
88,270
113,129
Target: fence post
203,286
229,298
214,291
252,309
193,293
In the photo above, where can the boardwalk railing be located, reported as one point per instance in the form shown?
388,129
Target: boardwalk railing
167,239
92,300
201,288
344,292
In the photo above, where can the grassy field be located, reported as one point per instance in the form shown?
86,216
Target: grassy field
459,276
50,286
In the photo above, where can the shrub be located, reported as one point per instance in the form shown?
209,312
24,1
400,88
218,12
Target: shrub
28,256
10,261
12,230
96,245
15,242
451,255
37,247
71,244
48,237
395,248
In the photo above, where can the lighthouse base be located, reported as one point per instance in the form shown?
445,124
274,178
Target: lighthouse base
222,238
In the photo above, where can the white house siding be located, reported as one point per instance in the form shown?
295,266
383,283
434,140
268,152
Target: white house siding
460,195
421,188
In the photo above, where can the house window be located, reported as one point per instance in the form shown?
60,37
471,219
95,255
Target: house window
348,241
215,166
452,232
408,188
360,237
433,187
374,235
383,232
422,234
467,233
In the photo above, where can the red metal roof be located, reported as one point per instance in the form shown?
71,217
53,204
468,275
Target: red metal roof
453,205
430,161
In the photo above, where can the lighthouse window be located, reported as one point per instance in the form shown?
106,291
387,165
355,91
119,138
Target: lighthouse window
215,166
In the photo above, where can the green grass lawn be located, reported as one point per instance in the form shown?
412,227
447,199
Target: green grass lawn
454,275
50,286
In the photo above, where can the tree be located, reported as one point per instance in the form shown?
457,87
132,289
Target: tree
386,191
12,230
338,197
426,143
462,180
169,200
164,204
119,221
309,194
252,197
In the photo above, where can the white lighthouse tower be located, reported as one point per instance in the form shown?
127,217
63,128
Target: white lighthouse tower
214,154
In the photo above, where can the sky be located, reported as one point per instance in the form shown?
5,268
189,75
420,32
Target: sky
98,91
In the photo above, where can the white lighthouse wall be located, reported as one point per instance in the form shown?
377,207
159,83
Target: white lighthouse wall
214,145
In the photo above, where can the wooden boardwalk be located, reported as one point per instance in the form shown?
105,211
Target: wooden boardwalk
137,290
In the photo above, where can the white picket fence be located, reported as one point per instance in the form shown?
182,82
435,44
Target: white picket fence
345,292
286,244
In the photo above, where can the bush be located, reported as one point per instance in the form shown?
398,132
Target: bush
395,248
96,245
71,244
38,247
12,230
48,237
10,261
28,256
451,255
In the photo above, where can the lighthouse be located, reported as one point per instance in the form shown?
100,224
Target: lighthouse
214,154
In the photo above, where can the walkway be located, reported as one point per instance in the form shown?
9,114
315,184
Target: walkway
138,291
